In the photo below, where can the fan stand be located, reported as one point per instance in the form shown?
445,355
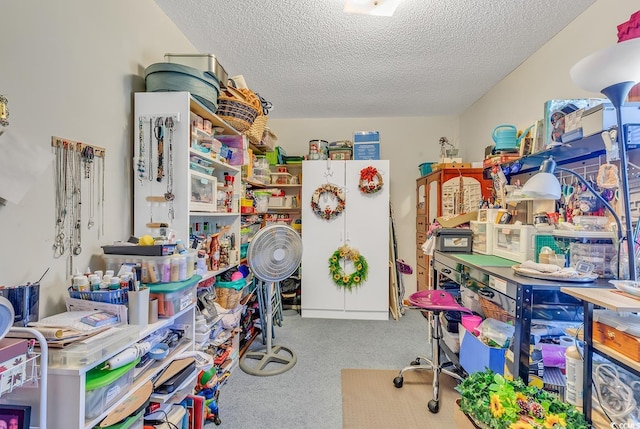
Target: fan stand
270,355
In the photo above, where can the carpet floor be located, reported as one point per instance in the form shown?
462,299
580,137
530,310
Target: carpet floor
370,400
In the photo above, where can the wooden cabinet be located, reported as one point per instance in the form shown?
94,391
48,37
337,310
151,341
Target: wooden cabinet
363,225
444,192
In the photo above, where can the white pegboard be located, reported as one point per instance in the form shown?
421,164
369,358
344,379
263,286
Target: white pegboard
589,170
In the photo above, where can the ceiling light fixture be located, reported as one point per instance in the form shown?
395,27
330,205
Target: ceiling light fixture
371,7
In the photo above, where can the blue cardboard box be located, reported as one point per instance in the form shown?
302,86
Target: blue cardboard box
366,145
476,356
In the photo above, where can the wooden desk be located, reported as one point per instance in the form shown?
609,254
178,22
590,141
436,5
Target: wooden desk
610,300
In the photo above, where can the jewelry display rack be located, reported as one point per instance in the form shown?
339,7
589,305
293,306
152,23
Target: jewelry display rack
75,162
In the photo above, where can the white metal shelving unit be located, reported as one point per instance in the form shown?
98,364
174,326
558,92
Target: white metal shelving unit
32,388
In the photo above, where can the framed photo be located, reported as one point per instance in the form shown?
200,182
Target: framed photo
15,416
538,140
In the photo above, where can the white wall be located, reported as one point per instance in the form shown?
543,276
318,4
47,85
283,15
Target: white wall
519,98
69,69
405,142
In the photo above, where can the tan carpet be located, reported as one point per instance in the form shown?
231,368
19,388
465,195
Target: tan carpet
370,400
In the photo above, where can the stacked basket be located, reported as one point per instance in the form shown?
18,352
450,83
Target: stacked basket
239,108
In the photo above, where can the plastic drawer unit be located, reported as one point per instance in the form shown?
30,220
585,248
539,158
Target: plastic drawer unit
104,387
174,297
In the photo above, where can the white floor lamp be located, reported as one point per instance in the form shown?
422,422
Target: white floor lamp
613,71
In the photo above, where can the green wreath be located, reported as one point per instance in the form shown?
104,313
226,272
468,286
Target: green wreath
339,277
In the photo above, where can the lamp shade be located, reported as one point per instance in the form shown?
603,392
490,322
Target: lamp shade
542,186
609,66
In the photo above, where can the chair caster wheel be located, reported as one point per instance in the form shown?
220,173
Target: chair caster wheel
398,381
434,406
415,362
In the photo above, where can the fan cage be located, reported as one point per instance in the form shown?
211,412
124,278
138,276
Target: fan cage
275,253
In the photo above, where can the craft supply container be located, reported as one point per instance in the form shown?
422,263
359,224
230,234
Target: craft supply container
515,242
105,387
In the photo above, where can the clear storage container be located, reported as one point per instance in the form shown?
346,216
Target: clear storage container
515,242
104,387
174,297
482,237
155,269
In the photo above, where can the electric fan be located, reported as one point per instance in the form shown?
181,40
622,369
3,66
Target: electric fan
273,255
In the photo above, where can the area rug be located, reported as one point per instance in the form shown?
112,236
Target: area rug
370,400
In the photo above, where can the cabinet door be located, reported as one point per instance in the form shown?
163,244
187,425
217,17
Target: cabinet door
320,238
367,229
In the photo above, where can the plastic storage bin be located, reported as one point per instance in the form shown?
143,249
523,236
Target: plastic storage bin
174,297
104,387
155,269
482,237
514,242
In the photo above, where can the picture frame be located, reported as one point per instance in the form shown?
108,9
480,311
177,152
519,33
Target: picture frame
15,416
538,141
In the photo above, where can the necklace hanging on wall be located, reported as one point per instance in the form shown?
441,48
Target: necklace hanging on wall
169,196
61,201
89,173
159,132
150,154
74,162
141,155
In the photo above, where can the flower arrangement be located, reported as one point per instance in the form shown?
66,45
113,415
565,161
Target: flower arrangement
338,275
332,192
495,402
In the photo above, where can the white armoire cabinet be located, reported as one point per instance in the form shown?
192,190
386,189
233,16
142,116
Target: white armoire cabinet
363,225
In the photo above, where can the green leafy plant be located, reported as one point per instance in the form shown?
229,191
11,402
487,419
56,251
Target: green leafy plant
495,402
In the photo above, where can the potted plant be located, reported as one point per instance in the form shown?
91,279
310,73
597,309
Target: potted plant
491,401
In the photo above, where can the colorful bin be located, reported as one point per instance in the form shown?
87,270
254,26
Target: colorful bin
174,297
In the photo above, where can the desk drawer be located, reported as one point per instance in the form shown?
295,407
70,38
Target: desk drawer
421,258
421,237
422,277
421,224
448,272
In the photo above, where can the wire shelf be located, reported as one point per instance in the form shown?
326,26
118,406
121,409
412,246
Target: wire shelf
23,374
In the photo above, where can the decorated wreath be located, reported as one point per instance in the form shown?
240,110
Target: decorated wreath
370,180
327,212
338,275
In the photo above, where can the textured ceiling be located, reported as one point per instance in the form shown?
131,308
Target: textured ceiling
311,60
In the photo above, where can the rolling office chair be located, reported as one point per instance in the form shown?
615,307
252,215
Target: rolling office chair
434,302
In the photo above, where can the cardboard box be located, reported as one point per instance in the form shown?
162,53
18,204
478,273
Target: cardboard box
476,356
366,151
457,220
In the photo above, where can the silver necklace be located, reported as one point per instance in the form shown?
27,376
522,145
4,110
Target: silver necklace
140,165
61,199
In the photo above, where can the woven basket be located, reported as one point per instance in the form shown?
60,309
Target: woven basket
256,130
228,297
238,107
494,311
